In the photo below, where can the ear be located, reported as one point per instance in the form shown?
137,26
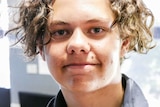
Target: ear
41,51
125,47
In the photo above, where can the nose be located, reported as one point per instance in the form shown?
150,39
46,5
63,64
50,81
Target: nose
78,43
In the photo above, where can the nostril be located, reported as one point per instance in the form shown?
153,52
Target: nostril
72,51
77,51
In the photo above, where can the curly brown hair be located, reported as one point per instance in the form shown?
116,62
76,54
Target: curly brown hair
133,18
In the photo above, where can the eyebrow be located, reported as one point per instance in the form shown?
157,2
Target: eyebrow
97,21
58,22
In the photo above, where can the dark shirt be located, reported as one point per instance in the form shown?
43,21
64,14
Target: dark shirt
133,96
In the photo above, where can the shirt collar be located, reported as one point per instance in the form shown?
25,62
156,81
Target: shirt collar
133,96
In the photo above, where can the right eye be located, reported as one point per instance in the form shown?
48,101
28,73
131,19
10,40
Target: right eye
59,34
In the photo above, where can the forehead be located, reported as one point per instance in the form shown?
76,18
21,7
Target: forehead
71,2
78,10
78,1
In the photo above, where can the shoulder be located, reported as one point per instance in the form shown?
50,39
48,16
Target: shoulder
133,94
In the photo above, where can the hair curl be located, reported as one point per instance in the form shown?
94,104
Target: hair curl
133,18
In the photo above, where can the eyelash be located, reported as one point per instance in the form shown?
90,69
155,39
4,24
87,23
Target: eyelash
59,34
96,30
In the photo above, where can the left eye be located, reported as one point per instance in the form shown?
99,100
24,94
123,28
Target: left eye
96,30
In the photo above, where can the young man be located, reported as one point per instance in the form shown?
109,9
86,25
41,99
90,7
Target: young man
84,43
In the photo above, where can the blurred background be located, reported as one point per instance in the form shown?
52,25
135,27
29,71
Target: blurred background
18,76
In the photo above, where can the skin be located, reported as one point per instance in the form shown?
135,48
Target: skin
84,54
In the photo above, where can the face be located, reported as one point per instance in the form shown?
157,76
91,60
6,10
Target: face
84,52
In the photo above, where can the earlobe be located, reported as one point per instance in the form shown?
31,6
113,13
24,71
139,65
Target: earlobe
41,51
125,47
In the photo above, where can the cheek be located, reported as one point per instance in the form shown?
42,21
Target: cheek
110,53
53,57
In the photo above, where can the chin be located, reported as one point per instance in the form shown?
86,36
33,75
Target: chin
85,87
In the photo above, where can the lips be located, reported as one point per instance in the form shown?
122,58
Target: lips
80,68
80,64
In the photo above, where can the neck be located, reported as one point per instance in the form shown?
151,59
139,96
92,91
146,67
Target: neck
110,96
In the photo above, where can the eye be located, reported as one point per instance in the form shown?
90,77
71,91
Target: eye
59,34
96,30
